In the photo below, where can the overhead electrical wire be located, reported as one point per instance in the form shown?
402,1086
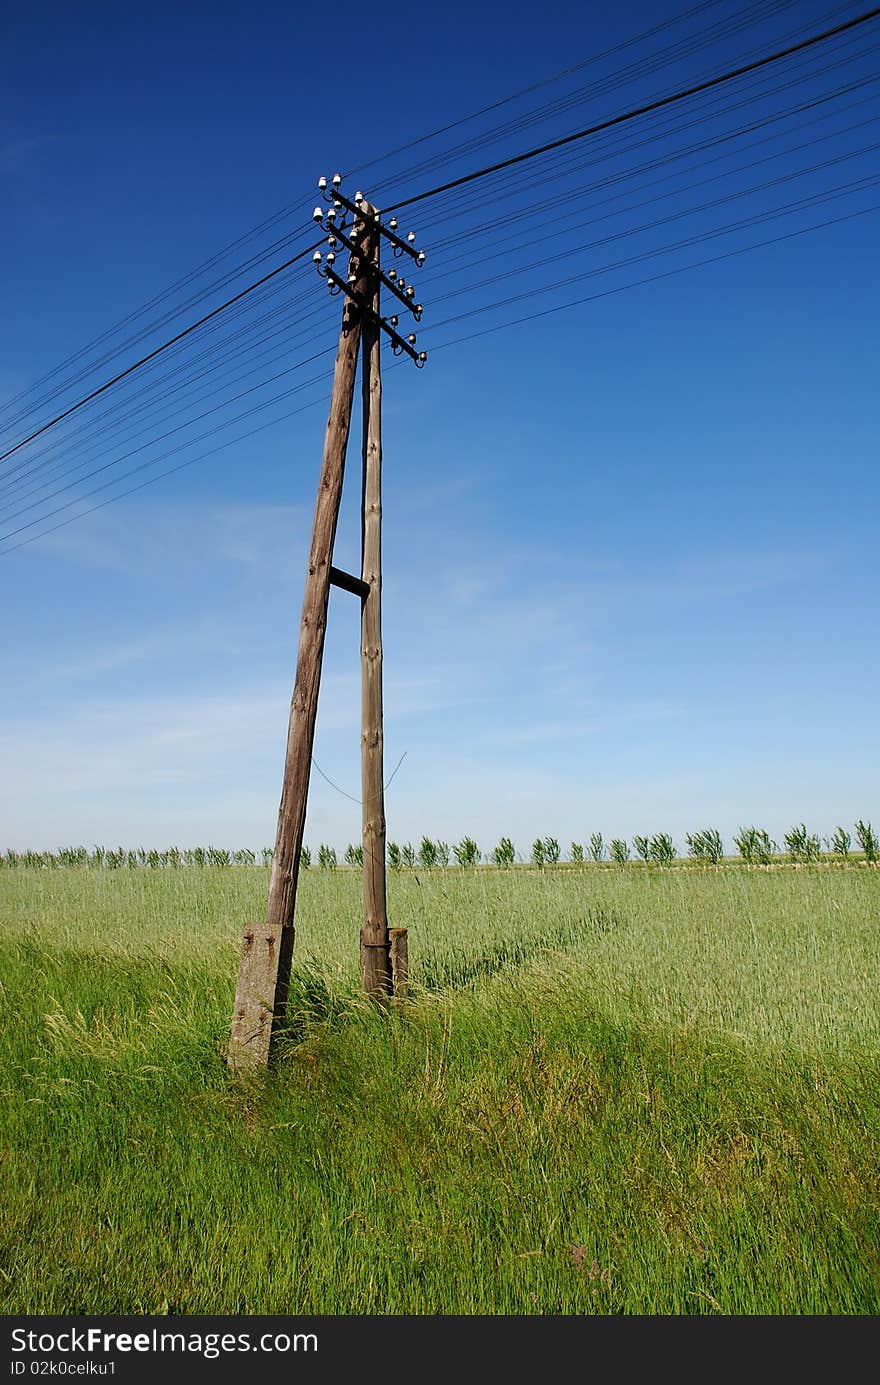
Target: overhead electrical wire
531,317
747,18
187,331
640,283
85,450
294,389
191,461
664,220
71,481
216,258
168,317
670,56
815,199
206,413
611,145
437,247
227,354
160,297
535,86
653,252
751,17
58,461
54,459
467,179
637,111
749,82
536,210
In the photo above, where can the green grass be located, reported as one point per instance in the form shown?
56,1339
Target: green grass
614,1091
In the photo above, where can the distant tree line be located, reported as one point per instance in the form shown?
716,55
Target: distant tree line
754,846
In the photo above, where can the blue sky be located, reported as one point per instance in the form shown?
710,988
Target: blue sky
630,548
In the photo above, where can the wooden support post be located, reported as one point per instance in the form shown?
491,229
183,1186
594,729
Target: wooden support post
375,944
399,962
264,972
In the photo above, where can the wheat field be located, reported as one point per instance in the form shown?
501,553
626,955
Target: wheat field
613,1090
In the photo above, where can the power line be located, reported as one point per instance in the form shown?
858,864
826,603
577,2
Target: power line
664,220
723,28
191,461
520,215
272,220
58,464
358,801
531,317
816,199
108,384
144,308
637,111
752,81
468,178
154,326
56,461
536,86
161,438
486,281
538,209
154,461
187,383
666,57
640,283
606,151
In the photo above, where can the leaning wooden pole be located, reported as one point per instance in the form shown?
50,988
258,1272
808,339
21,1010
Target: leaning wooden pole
375,941
266,952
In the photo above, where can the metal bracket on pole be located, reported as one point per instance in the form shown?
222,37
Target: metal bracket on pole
359,208
395,283
399,344
347,583
366,219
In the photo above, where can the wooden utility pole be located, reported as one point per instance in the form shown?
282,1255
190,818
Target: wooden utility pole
375,943
267,950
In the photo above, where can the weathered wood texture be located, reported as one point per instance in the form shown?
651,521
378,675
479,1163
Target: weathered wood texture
375,946
399,962
262,986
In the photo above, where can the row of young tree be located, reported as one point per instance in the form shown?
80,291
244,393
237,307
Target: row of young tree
754,845
133,858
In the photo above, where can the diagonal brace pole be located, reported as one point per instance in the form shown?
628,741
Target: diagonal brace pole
266,952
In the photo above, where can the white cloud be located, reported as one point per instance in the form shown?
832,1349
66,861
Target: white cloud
185,535
171,726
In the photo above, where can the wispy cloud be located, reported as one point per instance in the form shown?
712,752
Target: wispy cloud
499,673
104,746
697,578
184,536
259,537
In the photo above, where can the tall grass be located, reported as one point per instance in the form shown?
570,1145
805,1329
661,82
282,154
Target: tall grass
634,1090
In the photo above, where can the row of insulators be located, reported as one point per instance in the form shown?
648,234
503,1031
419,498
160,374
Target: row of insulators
332,213
398,280
336,208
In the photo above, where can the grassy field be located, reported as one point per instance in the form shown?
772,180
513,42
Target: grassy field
615,1091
